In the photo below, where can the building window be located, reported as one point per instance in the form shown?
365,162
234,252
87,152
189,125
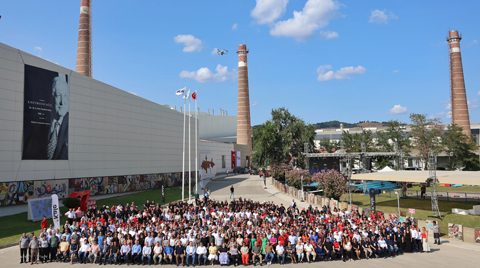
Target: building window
223,161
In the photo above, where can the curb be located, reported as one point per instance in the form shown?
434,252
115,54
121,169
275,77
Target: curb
8,245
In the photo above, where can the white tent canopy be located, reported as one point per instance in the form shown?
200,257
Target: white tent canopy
386,169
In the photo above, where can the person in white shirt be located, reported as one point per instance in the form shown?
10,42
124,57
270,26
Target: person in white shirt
125,252
309,251
383,246
83,252
202,254
292,239
414,239
157,253
300,253
280,253
146,251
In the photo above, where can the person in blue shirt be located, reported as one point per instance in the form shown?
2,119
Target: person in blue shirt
73,251
392,247
100,239
136,252
167,254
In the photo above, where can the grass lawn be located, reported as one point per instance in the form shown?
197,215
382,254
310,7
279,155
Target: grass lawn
416,187
13,226
423,209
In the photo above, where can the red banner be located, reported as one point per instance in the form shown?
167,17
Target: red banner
234,159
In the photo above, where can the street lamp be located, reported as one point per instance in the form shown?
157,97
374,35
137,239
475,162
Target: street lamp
398,200
301,177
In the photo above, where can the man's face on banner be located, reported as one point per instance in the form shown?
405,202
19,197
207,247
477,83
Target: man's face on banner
61,98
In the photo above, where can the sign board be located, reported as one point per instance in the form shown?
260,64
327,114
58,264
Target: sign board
411,210
92,202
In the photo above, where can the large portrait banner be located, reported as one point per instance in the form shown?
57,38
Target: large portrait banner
45,114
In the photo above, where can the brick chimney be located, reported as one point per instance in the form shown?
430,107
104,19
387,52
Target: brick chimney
457,84
244,128
84,47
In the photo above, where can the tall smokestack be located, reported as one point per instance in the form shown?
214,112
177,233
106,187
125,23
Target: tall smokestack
244,128
457,84
84,48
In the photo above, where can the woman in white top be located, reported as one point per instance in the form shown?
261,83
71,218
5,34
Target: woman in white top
300,253
347,250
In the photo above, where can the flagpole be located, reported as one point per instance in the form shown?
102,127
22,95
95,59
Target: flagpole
189,153
196,144
183,155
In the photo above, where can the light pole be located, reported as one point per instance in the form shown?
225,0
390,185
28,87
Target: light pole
398,201
301,178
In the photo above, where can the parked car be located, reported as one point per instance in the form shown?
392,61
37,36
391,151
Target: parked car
254,171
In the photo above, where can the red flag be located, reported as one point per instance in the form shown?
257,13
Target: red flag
194,96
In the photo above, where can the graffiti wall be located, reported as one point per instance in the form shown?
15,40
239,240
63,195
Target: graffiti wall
455,231
47,188
13,193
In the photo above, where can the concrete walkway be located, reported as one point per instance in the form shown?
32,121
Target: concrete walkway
449,254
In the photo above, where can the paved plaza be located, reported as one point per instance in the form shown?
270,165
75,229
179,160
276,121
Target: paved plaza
449,254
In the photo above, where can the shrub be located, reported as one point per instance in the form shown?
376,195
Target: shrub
294,178
332,183
71,202
278,170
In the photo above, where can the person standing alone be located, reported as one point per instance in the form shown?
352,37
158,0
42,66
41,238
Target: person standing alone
232,192
436,232
422,189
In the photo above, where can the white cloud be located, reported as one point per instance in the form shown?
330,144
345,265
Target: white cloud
478,94
381,17
214,51
267,11
38,50
449,114
204,74
329,34
342,74
255,103
191,43
474,42
448,106
441,113
235,27
398,109
396,71
316,14
472,104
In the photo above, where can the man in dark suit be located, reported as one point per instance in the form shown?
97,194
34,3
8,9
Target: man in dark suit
57,147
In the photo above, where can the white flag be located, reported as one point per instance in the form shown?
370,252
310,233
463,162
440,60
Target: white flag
187,95
181,91
55,212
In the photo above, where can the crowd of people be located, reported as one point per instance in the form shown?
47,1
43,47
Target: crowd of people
209,232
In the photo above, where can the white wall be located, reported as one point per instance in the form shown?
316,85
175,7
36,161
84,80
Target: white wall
216,150
211,126
111,132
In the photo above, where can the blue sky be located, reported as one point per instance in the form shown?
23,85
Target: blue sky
324,60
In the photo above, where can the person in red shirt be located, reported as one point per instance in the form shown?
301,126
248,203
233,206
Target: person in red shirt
44,223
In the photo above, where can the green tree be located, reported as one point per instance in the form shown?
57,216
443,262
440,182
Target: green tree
395,132
460,149
426,134
351,142
328,145
280,137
